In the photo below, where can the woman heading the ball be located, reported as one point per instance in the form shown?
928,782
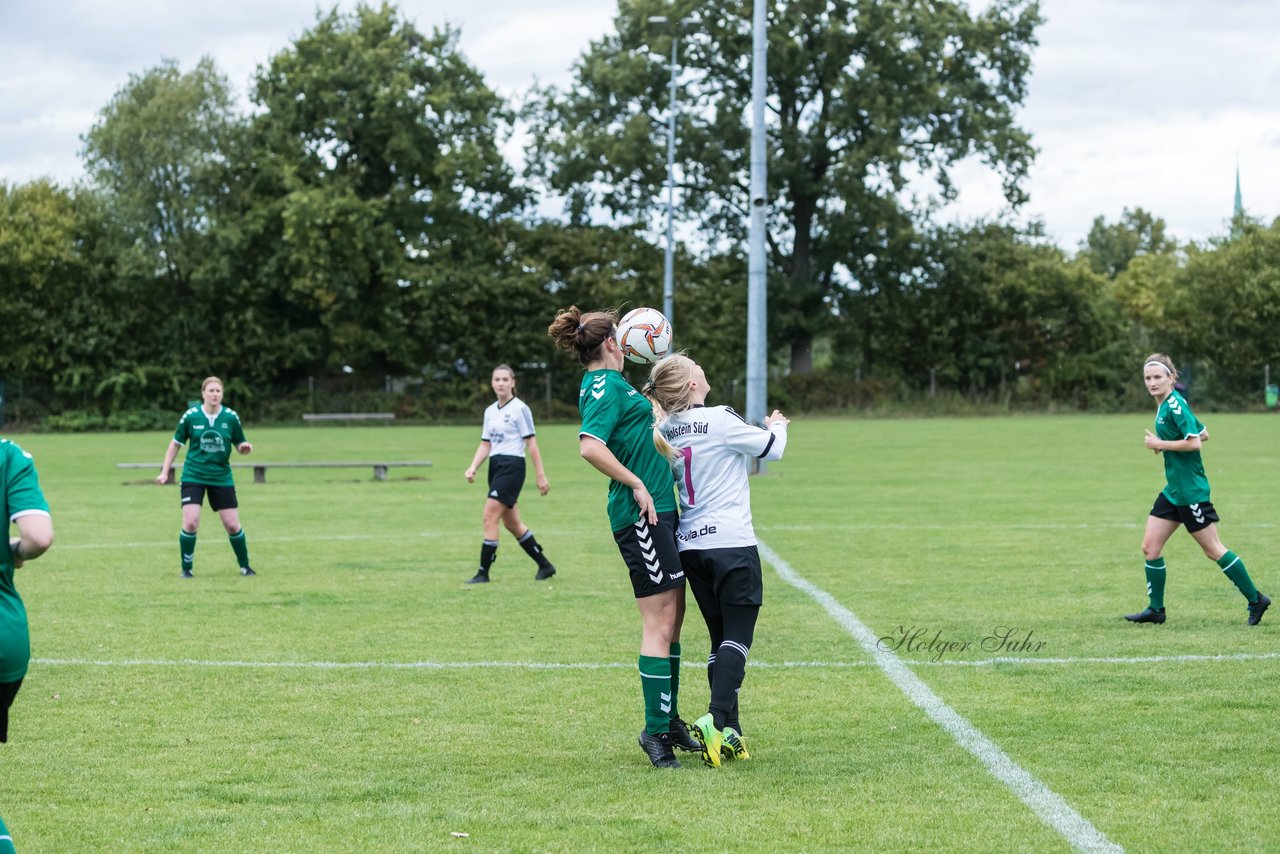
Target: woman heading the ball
26,509
711,448
210,431
506,435
1184,500
616,438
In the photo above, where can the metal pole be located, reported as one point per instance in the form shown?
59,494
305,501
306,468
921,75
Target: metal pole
669,260
757,281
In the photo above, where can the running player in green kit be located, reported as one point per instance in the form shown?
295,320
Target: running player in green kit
617,439
212,431
25,508
1185,497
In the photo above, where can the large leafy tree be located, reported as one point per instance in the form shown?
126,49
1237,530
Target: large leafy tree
161,154
1224,309
81,336
382,187
1110,248
999,313
871,106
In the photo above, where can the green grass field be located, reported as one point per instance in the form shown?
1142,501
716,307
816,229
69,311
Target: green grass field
356,696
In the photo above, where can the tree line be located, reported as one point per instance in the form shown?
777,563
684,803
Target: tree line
362,237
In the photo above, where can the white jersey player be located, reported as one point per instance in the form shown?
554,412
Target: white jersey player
506,435
714,447
710,448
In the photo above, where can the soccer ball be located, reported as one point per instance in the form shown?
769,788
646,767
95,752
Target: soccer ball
644,335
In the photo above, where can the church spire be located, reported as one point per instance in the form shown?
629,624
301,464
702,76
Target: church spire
1237,212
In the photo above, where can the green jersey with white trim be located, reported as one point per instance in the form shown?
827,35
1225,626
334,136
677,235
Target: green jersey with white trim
1185,480
211,437
622,418
22,496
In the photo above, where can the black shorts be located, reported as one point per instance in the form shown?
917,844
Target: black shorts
1194,516
506,478
8,690
651,556
724,577
220,497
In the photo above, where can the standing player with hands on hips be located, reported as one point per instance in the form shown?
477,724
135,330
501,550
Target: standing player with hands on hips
507,432
212,431
1185,497
711,448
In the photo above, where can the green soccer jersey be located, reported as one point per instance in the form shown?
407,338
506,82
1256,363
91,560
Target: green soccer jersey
22,496
211,438
1185,480
622,418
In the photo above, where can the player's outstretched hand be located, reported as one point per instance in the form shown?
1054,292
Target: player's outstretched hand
776,418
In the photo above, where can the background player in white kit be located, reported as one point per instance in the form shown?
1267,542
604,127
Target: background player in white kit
507,432
711,449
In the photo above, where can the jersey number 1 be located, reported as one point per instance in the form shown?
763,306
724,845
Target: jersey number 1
687,455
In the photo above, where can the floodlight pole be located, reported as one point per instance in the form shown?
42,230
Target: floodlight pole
669,257
757,266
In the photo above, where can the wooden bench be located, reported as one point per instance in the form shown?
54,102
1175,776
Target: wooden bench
348,416
260,469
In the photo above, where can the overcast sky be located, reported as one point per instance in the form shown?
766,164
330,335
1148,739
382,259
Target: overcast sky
1133,103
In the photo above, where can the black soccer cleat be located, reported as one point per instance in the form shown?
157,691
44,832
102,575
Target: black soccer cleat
544,572
247,570
186,573
681,737
1257,609
658,749
1152,615
480,577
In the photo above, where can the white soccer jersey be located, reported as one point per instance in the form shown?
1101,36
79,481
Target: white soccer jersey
714,447
506,427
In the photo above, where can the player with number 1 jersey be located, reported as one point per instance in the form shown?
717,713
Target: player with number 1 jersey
711,448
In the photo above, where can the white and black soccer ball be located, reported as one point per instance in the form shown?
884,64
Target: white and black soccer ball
644,335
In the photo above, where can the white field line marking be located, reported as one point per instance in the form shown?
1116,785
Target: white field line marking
1051,808
594,665
325,538
1030,526
1022,526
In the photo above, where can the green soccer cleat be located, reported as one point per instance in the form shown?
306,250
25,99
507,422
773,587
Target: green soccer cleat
704,729
734,746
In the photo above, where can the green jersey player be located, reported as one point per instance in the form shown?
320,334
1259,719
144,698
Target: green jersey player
1179,435
617,439
27,510
210,431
